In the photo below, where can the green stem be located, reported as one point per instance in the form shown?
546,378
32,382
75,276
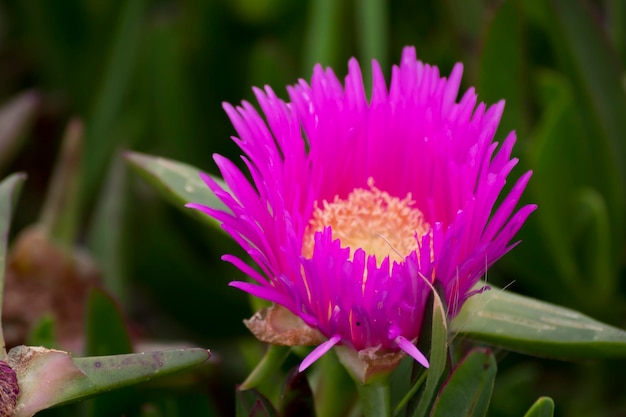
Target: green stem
375,398
273,359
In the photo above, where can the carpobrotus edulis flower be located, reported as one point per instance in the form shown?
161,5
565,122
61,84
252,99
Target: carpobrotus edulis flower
354,209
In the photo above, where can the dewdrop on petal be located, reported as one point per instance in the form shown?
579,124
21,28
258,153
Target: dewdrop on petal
353,209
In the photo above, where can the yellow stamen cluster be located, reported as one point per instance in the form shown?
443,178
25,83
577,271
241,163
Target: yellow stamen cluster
370,219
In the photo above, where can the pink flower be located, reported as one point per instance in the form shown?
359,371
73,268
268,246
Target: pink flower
354,209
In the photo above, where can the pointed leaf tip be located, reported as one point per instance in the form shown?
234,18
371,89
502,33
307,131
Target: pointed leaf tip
543,407
178,182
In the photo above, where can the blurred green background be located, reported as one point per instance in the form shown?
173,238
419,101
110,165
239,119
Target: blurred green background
150,76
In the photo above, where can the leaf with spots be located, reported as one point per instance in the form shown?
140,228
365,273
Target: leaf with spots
177,182
51,377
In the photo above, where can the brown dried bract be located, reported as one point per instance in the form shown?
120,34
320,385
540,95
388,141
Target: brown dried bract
278,326
43,278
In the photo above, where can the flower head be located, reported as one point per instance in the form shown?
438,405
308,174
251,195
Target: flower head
353,209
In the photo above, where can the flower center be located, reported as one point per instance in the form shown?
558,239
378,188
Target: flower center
370,219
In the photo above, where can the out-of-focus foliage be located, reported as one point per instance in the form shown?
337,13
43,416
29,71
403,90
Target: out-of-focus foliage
150,76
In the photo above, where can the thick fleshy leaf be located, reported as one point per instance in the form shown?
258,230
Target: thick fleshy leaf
335,393
106,334
375,398
543,407
535,327
52,377
269,365
116,371
178,182
438,337
251,403
9,191
468,390
297,397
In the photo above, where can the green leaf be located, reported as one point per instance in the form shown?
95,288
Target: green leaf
43,332
178,182
543,407
268,366
468,390
110,372
60,212
16,116
297,397
100,143
372,34
616,25
467,17
106,329
107,231
170,91
51,377
559,169
375,398
335,393
106,334
324,28
593,64
503,67
530,326
9,191
251,403
572,152
438,336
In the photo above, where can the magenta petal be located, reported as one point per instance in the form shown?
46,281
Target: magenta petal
318,352
412,350
269,294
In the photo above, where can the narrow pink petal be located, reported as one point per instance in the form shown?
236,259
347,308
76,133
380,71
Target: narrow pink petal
452,88
318,352
266,293
245,268
411,350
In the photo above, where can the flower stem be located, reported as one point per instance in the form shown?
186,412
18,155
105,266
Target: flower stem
375,398
273,359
